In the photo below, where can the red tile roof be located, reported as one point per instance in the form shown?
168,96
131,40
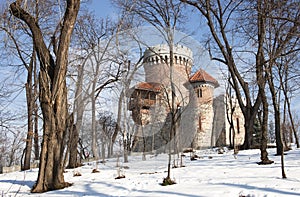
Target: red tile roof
202,76
152,86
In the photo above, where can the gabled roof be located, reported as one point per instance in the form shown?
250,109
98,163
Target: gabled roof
149,86
146,86
202,76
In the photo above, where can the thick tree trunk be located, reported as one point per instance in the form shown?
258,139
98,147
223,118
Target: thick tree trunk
55,124
74,137
249,125
264,131
261,76
52,95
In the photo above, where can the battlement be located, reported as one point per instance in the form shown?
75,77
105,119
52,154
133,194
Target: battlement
161,54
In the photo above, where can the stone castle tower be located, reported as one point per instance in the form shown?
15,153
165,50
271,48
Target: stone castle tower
194,96
203,85
157,69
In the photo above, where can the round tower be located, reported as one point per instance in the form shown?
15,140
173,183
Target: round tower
203,85
157,63
157,68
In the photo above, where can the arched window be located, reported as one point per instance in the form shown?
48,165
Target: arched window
199,93
238,125
200,123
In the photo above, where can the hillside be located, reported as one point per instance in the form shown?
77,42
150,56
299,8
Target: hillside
212,174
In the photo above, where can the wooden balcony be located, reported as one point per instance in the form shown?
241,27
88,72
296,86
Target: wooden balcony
141,103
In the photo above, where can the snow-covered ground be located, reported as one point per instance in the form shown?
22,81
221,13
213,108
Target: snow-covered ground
212,174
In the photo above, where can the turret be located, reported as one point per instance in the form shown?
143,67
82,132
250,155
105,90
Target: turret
203,85
157,63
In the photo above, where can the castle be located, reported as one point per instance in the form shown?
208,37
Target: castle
201,120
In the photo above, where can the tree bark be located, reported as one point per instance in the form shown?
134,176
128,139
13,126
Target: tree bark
279,143
52,95
261,80
290,114
78,110
30,108
94,133
36,115
74,137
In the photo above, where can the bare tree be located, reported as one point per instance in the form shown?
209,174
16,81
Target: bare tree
98,65
13,30
164,15
123,122
107,124
281,43
53,93
230,109
220,17
261,81
12,141
286,79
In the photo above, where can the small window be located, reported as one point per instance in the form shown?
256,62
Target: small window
152,96
199,93
200,123
238,125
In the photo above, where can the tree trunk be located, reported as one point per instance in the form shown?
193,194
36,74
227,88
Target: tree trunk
52,95
264,131
261,81
74,137
36,109
278,133
249,125
30,98
36,130
118,123
109,149
94,134
103,141
30,102
279,143
125,131
284,86
75,128
291,120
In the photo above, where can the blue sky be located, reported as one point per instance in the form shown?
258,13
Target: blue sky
102,8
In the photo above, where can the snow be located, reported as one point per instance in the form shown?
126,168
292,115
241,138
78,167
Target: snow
212,174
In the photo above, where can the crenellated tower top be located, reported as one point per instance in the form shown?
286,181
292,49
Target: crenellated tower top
157,63
161,54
